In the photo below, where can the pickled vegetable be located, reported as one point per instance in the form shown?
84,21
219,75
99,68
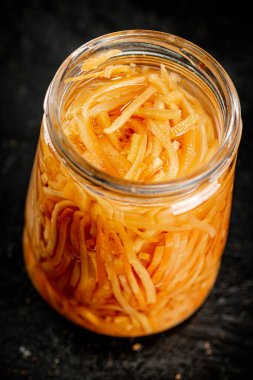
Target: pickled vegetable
127,268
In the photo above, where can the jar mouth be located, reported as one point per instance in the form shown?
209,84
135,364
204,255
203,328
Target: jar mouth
172,48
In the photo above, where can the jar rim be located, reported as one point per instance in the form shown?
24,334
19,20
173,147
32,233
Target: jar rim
201,61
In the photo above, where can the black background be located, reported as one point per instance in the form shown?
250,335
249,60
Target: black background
36,343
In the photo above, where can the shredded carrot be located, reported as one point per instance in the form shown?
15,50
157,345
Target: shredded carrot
184,126
95,61
159,114
129,111
138,100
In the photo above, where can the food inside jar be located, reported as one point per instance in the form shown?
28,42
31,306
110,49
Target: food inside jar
126,268
137,123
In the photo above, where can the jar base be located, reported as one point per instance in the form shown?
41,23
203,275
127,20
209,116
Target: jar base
78,313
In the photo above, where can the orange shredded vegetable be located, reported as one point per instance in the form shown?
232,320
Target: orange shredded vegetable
121,268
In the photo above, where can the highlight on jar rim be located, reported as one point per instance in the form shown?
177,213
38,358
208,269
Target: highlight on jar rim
129,201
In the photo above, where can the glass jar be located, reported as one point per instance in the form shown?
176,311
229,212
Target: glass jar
124,258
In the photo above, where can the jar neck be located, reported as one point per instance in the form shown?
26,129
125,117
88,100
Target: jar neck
152,48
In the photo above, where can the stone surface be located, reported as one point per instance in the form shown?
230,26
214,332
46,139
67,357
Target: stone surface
35,342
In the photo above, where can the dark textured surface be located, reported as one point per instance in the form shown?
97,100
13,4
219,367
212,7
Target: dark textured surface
36,343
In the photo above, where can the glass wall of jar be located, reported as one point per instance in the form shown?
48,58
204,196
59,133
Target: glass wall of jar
121,257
